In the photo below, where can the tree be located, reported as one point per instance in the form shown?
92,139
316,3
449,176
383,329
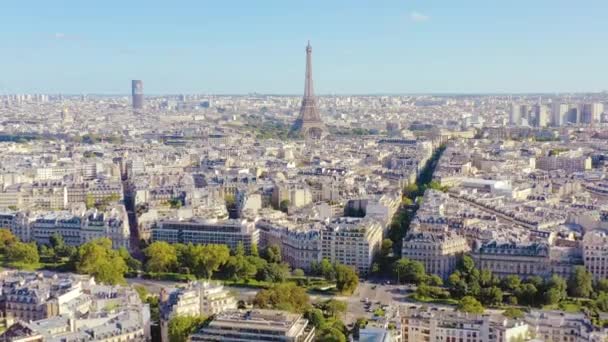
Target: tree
387,247
409,271
510,283
551,296
411,190
239,267
555,290
284,205
90,201
161,257
580,283
254,250
537,281
209,259
273,254
180,327
7,238
346,279
275,273
414,272
230,201
23,253
466,264
142,292
470,305
284,296
375,268
486,279
133,265
602,285
315,317
491,295
425,291
335,308
331,334
513,313
98,259
298,272
602,301
527,294
327,270
203,260
434,280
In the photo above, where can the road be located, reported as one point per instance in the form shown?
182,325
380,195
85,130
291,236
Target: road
376,293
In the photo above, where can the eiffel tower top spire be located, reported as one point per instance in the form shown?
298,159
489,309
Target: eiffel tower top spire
308,86
309,123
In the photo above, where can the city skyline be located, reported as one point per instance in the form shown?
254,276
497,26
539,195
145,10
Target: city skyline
388,47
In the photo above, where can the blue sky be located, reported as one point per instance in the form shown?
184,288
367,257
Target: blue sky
241,46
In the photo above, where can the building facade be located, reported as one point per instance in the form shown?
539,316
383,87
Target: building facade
223,232
196,299
439,253
351,241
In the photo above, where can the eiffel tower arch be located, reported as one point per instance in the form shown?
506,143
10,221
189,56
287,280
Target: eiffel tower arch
309,124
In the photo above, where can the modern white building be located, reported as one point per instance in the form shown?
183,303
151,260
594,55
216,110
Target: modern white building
256,325
223,232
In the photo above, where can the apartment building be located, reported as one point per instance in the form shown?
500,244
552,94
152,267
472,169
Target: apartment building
98,191
48,306
438,253
507,258
445,324
79,229
351,241
196,299
300,244
563,326
595,253
566,162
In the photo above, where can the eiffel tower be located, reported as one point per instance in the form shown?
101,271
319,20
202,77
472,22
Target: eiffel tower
309,123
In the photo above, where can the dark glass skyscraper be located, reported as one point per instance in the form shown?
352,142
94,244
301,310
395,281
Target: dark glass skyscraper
137,93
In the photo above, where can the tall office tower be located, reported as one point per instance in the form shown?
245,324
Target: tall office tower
514,116
137,93
518,114
591,112
573,115
541,116
309,123
559,112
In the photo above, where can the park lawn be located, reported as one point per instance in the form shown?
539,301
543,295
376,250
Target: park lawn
446,301
252,283
567,306
314,284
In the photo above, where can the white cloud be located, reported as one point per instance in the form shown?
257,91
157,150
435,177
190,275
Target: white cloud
59,35
418,17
